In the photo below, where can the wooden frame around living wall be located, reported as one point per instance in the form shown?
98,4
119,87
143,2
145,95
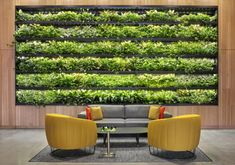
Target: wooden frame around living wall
221,116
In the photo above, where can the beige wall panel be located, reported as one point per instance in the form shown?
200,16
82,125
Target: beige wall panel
225,108
0,87
233,113
182,110
27,116
117,2
227,88
8,88
225,72
1,25
210,117
158,2
227,24
232,89
35,2
76,2
209,114
34,116
232,108
71,110
7,23
199,2
232,68
172,109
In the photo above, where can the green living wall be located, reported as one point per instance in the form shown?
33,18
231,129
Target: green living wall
116,55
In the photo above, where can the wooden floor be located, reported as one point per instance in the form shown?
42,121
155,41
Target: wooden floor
18,146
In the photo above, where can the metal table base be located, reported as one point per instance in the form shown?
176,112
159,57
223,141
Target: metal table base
107,154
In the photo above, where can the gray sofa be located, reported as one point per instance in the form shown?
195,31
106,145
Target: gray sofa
124,115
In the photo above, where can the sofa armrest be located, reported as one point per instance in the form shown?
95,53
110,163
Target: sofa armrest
167,114
82,115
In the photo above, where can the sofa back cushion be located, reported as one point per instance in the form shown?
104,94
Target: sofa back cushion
136,111
111,111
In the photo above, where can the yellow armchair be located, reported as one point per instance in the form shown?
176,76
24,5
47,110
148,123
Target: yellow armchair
65,132
181,133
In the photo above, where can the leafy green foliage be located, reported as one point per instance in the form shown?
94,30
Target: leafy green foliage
196,96
81,97
37,97
165,31
38,31
42,65
60,16
199,17
109,16
198,32
84,80
154,15
143,49
187,28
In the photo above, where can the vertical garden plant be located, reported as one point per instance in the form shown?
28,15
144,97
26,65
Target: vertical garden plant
114,56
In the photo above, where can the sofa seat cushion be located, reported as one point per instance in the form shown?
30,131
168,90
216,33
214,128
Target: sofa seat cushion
137,122
117,122
111,111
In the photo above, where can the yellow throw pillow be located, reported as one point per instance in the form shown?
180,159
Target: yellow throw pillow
96,113
154,112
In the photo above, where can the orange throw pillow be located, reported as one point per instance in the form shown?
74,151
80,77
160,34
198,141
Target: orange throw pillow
88,113
162,110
